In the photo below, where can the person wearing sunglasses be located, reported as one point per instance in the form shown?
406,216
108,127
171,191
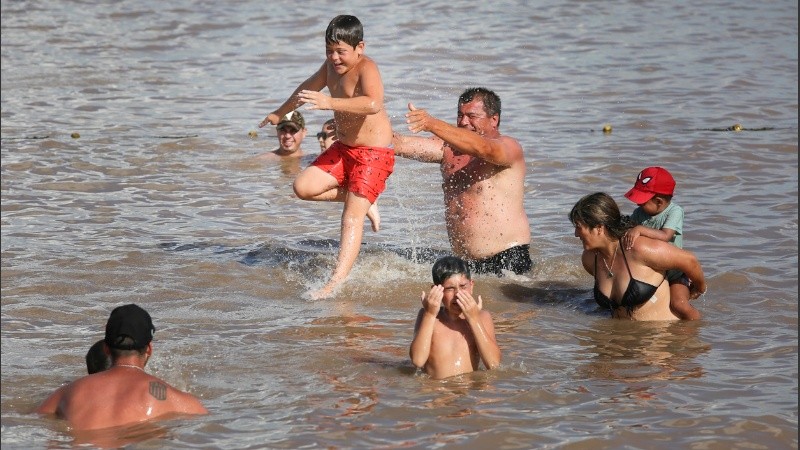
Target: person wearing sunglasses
327,136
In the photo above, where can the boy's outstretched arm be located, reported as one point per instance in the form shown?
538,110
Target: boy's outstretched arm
314,82
482,326
423,329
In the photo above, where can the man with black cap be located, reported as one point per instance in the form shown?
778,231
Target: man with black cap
124,393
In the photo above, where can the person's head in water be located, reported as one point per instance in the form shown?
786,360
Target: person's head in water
96,358
291,131
448,266
599,209
453,274
327,135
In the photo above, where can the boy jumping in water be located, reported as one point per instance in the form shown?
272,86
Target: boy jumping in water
355,168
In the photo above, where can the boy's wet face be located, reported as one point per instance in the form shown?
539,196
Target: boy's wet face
343,56
452,286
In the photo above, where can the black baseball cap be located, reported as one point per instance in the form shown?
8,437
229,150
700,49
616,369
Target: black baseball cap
129,328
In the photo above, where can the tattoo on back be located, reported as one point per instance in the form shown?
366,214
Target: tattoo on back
158,390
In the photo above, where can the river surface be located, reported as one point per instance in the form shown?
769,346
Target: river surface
158,200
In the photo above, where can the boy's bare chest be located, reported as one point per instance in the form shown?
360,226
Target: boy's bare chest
343,86
453,336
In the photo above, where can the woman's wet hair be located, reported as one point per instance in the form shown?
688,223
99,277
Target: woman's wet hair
448,266
598,209
344,28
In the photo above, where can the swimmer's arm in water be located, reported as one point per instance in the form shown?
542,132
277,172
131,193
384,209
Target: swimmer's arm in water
50,405
663,256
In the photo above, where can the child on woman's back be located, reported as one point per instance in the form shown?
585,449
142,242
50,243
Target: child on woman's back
661,218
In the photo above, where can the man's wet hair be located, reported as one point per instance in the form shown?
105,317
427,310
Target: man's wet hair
491,102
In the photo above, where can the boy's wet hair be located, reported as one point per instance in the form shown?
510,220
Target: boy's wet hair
448,266
491,102
344,28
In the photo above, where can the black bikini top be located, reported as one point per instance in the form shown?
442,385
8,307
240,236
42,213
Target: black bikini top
636,294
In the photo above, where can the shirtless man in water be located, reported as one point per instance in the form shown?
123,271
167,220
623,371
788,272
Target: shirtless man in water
124,393
483,181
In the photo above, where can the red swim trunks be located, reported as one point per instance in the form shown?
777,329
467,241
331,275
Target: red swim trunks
362,170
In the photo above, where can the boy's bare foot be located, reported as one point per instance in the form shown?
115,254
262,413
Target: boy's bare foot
326,291
374,216
322,293
319,294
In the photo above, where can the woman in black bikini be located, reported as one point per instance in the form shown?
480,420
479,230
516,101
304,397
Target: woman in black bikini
630,283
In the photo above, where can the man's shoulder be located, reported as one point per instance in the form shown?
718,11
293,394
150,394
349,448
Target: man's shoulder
513,147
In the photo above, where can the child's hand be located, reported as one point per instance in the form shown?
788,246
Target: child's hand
272,118
630,237
469,307
696,290
433,301
314,99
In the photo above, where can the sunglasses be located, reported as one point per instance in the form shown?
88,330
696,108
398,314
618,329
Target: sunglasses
288,129
322,135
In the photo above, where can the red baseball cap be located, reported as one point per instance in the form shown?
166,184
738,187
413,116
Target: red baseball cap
649,182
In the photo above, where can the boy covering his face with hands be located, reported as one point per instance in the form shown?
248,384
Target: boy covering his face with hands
453,334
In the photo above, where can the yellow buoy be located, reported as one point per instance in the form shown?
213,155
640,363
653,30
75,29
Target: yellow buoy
736,127
75,135
252,134
607,129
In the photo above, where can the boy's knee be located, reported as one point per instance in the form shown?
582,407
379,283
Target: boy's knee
300,190
297,191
